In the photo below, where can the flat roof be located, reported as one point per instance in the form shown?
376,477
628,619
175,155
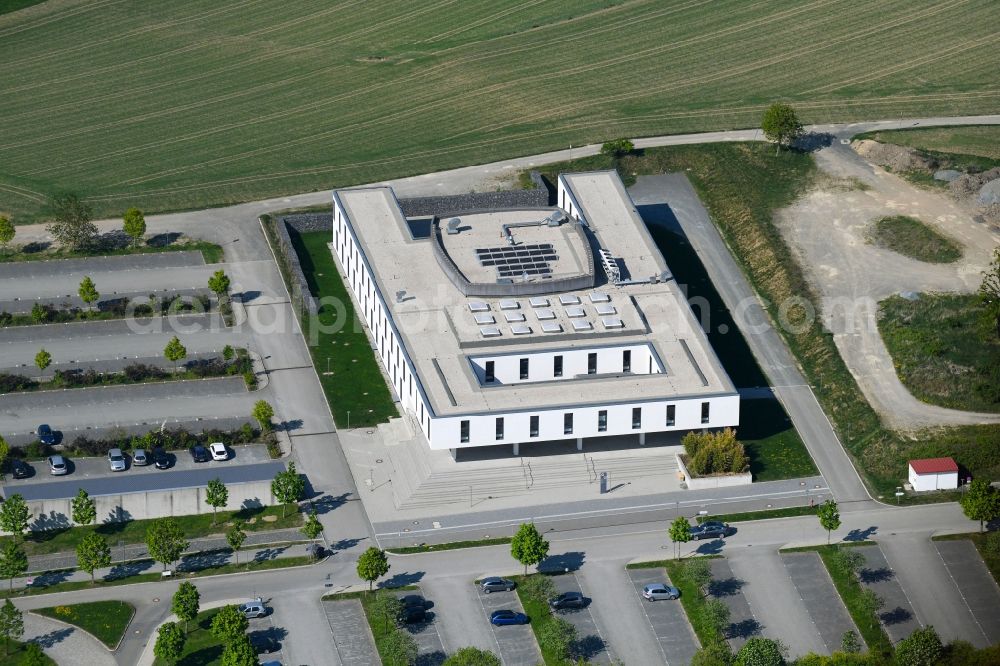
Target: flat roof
440,330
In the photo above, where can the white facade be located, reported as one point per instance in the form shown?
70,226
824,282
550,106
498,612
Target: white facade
933,480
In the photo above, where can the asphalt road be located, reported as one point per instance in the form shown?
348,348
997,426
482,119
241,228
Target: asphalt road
56,283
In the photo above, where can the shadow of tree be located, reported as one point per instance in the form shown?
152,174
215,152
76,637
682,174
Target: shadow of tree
896,615
53,637
402,579
588,647
344,544
47,578
811,141
269,553
129,569
713,547
51,522
875,575
861,535
744,629
162,240
327,503
204,560
726,587
435,658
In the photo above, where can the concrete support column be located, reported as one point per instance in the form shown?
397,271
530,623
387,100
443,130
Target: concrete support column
516,450
454,453
642,439
579,443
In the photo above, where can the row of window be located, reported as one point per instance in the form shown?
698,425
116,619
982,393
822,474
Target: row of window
602,422
557,366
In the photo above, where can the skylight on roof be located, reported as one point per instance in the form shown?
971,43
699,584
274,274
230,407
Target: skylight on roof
509,305
612,322
606,309
513,316
599,297
483,318
520,329
576,311
545,313
479,306
539,302
490,331
552,327
582,325
569,299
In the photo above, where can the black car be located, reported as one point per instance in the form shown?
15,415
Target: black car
161,459
200,454
567,600
711,529
414,609
21,469
46,435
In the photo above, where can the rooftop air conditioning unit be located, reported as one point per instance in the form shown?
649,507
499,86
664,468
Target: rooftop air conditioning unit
453,226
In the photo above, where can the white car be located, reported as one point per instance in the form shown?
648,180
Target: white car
218,450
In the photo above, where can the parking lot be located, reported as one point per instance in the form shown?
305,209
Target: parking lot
351,635
591,645
975,583
897,615
822,602
726,587
516,643
263,629
667,619
430,651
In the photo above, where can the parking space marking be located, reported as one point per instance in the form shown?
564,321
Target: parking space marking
589,635
351,634
822,601
516,643
897,616
667,619
429,645
974,582
265,625
742,622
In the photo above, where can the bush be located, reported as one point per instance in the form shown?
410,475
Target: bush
6,318
538,588
10,383
138,372
250,379
715,453
271,441
37,450
617,148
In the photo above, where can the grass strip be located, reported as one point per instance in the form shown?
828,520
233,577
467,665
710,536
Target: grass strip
105,620
210,252
201,647
15,654
765,514
990,555
454,545
692,599
380,631
912,238
540,615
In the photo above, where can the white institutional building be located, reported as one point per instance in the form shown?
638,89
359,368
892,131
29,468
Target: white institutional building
513,327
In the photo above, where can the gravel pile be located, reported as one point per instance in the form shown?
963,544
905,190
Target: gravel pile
890,156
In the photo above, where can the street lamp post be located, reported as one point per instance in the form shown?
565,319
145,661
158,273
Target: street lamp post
348,419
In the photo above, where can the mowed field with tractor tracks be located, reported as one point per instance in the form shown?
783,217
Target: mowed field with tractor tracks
193,103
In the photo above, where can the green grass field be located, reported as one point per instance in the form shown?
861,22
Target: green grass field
912,238
105,620
203,102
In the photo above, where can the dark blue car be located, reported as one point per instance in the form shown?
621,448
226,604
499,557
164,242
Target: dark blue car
46,434
502,617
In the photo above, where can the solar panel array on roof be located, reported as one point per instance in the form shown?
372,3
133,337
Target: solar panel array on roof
528,259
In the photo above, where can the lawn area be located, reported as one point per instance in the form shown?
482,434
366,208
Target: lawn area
786,512
454,545
944,353
775,449
540,615
912,238
16,656
134,531
105,620
990,557
691,599
211,252
196,103
201,648
338,342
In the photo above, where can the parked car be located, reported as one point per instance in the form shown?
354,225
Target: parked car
140,458
711,529
567,600
264,643
658,591
200,454
414,609
162,459
503,617
46,435
58,465
219,451
116,460
21,469
255,608
496,584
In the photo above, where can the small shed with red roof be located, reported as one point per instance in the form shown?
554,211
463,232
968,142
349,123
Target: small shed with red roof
934,474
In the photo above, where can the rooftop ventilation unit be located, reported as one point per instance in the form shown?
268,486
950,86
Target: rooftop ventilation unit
400,295
556,218
453,225
610,267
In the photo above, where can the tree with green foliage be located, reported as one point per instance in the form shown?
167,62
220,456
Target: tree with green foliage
14,516
989,292
537,588
557,637
219,283
617,148
716,452
4,452
781,125
716,614
229,624
716,653
850,642
82,508
13,562
399,649
981,501
32,655
921,648
680,532
372,565
43,360
760,651
239,652
169,645
186,602
39,314
228,353
71,225
92,553
165,541
829,517
134,225
11,624
263,412
472,656
7,231
288,487
699,572
870,604
175,351
848,560
235,536
88,291
528,547
216,496
312,527
385,609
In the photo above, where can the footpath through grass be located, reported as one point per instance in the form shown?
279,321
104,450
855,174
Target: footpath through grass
912,238
944,353
989,552
105,620
341,352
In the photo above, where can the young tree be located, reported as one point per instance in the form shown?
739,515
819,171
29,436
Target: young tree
922,648
228,353
239,652
400,648
14,516
829,517
88,291
760,651
528,547
92,553
980,502
385,609
229,624
870,604
185,603
699,572
716,613
848,560
32,655
312,527
43,360
134,224
216,496
716,653
850,643
7,231
557,638
263,412
617,148
169,642
13,562
680,532
83,508
372,565
174,351
219,283
72,226
11,624
472,656
235,537
4,452
165,541
288,487
989,292
39,314
781,125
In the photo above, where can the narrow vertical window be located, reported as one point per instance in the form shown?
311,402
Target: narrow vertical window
499,428
627,360
557,366
533,430
465,432
592,364
568,423
490,376
671,414
636,418
704,412
602,421
524,368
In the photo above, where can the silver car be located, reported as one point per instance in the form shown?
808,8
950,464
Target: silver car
255,608
116,459
58,466
658,591
139,457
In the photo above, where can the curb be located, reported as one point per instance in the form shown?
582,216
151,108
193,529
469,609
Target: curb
78,627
